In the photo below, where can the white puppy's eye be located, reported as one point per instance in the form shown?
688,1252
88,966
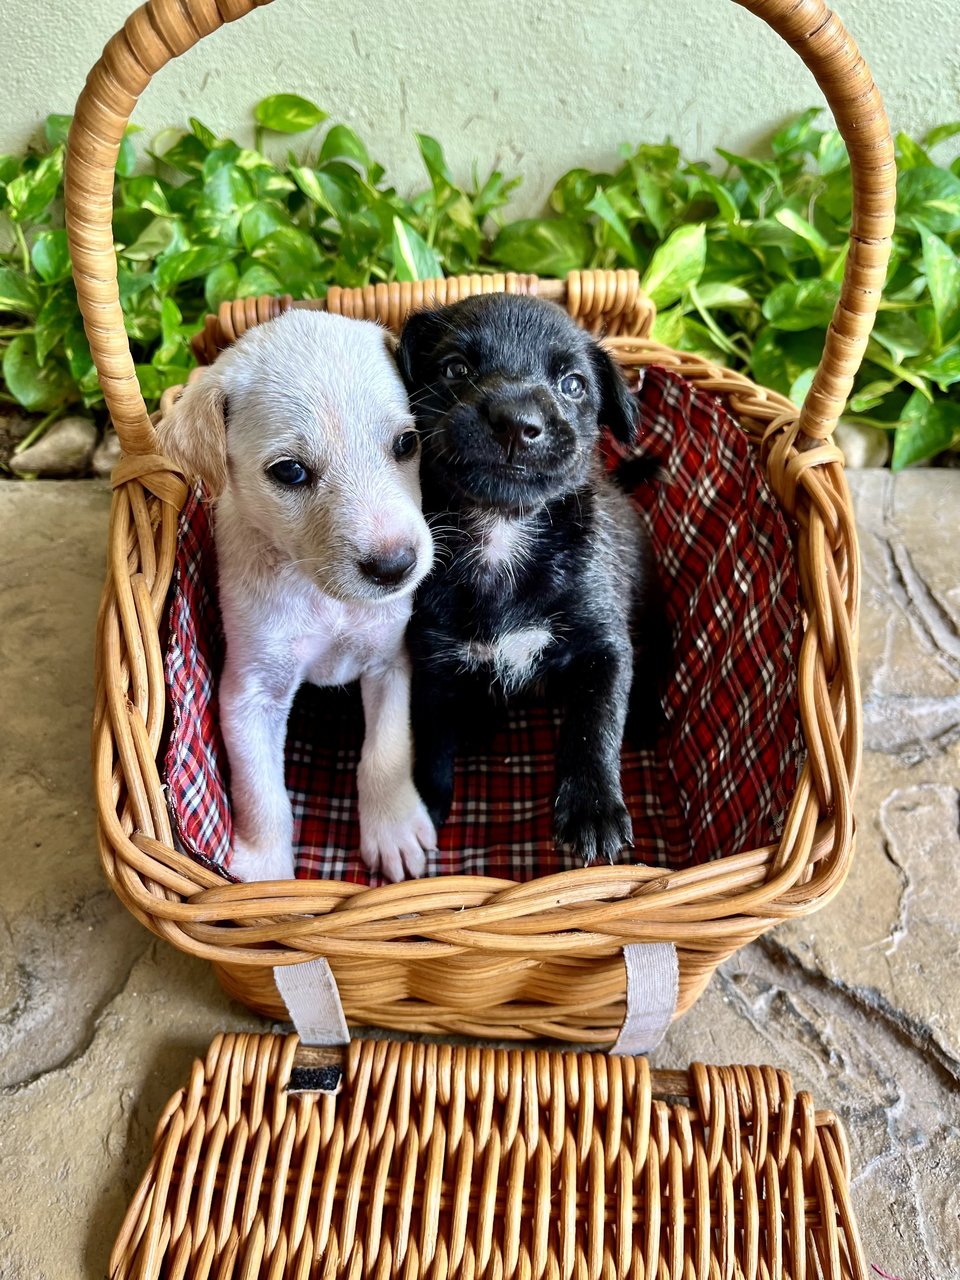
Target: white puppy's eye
572,385
406,445
454,368
289,472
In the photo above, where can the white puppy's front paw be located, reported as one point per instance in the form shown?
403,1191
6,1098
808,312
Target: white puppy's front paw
395,840
250,863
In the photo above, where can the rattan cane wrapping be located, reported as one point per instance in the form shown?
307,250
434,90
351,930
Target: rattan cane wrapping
478,955
442,1162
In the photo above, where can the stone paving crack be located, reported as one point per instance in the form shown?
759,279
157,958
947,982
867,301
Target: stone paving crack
912,1032
899,930
911,728
939,625
913,593
89,1036
914,727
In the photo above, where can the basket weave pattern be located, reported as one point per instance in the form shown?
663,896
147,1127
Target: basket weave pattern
438,1161
469,954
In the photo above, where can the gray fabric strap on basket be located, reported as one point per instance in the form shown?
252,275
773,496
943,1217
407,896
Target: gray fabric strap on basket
653,980
309,990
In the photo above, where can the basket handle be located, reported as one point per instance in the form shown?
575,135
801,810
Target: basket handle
162,30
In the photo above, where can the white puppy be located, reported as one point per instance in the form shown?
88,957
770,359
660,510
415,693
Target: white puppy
303,437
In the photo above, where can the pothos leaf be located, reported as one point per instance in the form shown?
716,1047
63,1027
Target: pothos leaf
925,430
678,262
547,247
413,259
287,113
37,386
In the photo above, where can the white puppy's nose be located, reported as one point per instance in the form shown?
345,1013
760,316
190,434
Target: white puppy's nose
390,567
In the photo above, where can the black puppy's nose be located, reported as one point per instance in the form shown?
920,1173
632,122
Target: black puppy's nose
389,569
515,427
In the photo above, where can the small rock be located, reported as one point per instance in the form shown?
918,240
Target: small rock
65,450
862,446
107,453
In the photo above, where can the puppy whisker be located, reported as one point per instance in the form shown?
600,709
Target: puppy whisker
431,434
293,564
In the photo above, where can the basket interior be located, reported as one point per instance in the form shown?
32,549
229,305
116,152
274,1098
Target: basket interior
717,780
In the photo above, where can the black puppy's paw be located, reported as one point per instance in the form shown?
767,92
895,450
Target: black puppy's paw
592,821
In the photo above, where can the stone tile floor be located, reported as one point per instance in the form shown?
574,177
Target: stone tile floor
99,1020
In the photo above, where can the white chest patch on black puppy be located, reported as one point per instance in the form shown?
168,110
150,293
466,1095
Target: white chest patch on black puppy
501,544
513,655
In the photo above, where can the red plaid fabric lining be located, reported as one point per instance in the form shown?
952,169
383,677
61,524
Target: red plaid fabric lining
718,780
195,766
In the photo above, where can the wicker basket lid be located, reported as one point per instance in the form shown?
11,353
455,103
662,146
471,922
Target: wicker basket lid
402,1159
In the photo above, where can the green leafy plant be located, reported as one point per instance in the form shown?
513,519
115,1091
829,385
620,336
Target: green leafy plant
211,220
744,264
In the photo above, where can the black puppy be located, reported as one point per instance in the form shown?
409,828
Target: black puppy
542,567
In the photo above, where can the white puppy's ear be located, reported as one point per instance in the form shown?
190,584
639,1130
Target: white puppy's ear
194,433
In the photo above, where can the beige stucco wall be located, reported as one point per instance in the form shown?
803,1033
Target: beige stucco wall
534,85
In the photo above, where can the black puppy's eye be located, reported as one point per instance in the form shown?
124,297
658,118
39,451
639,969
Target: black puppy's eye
454,368
573,385
406,444
289,472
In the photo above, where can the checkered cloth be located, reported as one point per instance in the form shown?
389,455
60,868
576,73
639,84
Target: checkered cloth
717,781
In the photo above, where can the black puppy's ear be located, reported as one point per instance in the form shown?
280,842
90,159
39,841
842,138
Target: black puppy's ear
618,408
418,340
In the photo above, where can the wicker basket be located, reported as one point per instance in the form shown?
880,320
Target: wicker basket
440,1162
470,954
